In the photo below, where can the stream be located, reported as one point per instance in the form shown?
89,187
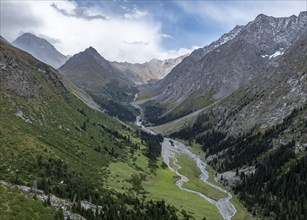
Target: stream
170,150
226,208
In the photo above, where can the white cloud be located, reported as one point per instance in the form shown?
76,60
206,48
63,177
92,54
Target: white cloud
231,13
132,37
167,36
136,14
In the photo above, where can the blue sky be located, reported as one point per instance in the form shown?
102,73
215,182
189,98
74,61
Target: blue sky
134,31
185,29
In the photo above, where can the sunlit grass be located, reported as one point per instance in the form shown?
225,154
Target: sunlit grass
15,205
162,186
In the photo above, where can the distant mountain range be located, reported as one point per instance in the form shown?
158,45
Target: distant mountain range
40,49
149,71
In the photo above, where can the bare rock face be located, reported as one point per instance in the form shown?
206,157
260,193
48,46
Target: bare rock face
271,34
182,79
271,96
226,65
40,49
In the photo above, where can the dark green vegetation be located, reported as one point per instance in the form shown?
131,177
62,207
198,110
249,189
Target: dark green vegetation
153,143
140,210
203,123
115,98
279,185
114,108
49,136
277,189
244,149
154,114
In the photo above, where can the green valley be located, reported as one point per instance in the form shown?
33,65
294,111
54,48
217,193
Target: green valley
51,139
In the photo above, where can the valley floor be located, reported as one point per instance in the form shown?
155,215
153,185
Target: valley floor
197,180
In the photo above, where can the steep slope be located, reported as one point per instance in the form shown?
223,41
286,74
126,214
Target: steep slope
188,63
196,83
149,71
259,132
40,49
95,75
51,141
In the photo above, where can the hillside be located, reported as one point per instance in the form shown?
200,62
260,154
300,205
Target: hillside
55,145
41,49
50,137
261,125
252,132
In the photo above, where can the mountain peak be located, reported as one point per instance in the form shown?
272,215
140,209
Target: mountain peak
91,49
40,48
29,37
28,34
261,17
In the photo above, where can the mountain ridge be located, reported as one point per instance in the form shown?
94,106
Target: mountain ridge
215,74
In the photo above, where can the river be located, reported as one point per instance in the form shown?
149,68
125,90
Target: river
170,150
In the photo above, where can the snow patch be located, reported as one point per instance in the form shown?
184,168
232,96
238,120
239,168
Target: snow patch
277,53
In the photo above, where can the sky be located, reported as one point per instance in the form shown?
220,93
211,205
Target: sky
134,31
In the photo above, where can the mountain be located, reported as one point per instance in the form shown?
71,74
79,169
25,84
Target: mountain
92,73
256,137
41,49
55,150
149,71
88,69
3,39
216,71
